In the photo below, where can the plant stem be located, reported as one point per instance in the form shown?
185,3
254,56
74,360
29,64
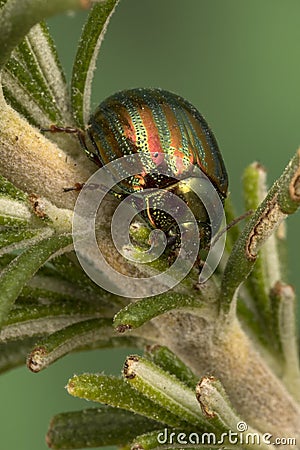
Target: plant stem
35,164
226,353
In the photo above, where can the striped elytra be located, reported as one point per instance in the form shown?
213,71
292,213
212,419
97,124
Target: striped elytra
155,123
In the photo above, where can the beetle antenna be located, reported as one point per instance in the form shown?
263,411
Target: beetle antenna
230,225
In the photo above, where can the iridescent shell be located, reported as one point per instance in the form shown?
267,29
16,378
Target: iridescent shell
155,123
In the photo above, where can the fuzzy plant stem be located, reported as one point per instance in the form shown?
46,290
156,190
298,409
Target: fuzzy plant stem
260,397
35,164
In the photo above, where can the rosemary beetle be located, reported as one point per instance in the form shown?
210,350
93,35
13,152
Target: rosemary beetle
154,123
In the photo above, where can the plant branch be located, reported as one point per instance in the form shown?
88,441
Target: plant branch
283,199
34,164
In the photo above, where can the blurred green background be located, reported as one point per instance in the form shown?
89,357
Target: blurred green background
238,62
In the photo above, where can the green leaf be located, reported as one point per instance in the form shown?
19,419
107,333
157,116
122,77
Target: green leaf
7,189
153,439
13,354
18,99
13,235
57,295
14,212
233,232
12,239
266,271
45,312
85,61
215,403
282,199
62,342
28,84
40,358
136,314
24,266
16,19
217,407
169,362
34,83
116,392
165,390
96,428
66,267
171,438
48,68
283,302
178,440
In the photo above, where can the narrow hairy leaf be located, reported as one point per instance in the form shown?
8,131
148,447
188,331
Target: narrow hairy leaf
153,439
49,68
179,440
52,313
24,266
16,19
116,392
57,286
85,61
68,339
66,268
31,111
7,189
233,232
14,212
34,83
215,403
13,354
266,271
136,314
169,362
165,390
170,438
30,84
283,302
13,239
9,221
59,294
216,406
282,199
11,236
96,428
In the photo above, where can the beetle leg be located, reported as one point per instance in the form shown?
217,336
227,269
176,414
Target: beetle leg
77,187
68,130
80,135
149,213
